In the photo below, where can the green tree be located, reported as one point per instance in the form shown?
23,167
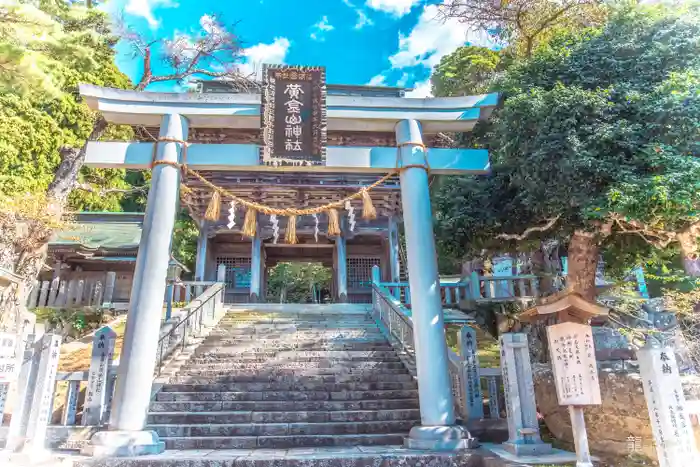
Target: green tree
467,71
297,282
597,144
47,48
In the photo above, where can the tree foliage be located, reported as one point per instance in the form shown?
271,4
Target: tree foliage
297,282
599,132
46,50
469,70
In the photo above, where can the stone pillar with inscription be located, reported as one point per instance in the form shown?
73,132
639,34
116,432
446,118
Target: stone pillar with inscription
472,380
96,396
670,421
42,401
521,408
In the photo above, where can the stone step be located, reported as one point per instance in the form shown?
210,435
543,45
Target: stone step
340,324
242,412
275,365
305,355
293,319
206,397
311,416
236,345
170,392
241,374
259,377
351,456
284,429
280,442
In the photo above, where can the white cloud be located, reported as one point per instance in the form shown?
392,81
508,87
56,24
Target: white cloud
394,7
145,8
259,54
319,30
378,80
421,89
362,18
430,39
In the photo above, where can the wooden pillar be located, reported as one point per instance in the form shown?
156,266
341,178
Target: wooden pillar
394,262
202,247
341,261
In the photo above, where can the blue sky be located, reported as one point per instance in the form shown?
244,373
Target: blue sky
383,42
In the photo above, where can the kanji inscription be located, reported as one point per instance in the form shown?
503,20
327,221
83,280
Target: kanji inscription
573,362
294,115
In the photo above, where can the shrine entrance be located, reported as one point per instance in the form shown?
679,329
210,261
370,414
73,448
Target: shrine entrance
332,182
299,282
350,254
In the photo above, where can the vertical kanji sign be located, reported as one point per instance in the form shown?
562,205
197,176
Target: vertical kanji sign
573,363
294,115
670,420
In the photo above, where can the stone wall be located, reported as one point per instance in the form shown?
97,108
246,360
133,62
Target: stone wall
622,414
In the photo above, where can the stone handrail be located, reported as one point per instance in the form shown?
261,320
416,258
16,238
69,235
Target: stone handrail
478,288
392,316
177,332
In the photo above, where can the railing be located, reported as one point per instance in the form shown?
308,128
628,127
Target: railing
478,288
62,404
394,319
179,330
84,291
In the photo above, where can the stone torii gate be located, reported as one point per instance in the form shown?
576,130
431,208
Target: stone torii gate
175,113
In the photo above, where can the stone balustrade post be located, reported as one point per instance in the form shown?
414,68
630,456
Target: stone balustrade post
523,428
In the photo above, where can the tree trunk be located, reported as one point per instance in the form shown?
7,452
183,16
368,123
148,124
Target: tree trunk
24,242
583,261
689,253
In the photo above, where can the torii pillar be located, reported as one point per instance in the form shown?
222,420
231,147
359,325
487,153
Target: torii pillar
127,435
438,430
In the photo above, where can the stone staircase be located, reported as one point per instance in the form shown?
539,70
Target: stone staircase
281,380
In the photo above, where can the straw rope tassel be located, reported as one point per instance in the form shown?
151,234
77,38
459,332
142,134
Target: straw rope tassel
213,211
369,212
291,234
333,223
250,223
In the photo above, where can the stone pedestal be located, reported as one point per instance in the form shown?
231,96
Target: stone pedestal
523,429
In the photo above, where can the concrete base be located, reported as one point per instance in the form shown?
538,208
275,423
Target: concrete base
553,456
124,444
537,449
440,438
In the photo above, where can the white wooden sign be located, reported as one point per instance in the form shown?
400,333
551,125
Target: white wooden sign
9,368
573,363
670,421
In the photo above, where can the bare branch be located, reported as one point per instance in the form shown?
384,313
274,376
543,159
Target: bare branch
550,223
